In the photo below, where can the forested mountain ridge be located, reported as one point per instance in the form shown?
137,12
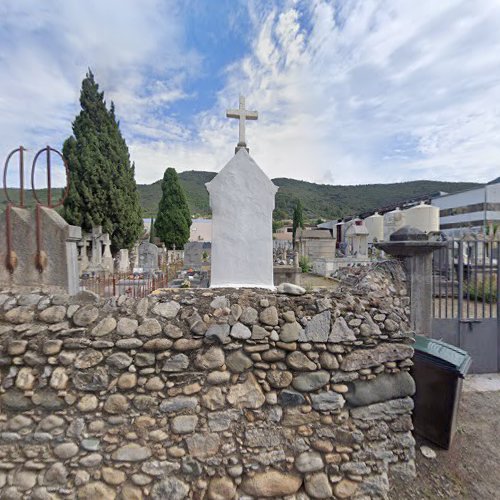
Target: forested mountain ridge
319,200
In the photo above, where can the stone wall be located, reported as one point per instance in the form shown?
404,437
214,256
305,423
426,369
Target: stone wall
203,394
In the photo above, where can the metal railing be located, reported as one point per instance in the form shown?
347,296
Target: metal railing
135,285
465,279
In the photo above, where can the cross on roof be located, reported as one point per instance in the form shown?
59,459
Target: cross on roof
242,114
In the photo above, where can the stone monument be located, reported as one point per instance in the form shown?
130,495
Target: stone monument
148,257
242,203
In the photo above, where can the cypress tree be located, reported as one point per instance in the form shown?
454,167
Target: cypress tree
174,219
298,220
102,180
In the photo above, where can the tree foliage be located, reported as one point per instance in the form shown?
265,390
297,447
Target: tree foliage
174,219
298,220
102,180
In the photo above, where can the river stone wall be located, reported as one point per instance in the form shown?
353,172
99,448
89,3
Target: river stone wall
207,394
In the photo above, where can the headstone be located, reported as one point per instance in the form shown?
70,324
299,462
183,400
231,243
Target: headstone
96,246
148,257
242,203
123,261
58,245
107,258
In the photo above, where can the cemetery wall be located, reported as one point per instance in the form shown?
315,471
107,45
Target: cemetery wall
207,394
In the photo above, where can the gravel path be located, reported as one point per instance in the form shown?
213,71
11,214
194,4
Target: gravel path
471,468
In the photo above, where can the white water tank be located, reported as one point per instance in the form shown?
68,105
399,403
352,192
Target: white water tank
424,217
393,220
375,226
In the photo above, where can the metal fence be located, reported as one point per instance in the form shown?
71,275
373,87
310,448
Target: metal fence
134,285
466,279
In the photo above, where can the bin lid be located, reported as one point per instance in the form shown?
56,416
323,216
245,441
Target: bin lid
447,354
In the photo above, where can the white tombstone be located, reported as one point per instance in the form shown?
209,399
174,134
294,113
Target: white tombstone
123,261
242,203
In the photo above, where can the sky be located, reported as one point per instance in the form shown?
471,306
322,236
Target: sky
348,92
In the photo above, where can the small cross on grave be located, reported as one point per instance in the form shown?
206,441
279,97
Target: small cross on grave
242,115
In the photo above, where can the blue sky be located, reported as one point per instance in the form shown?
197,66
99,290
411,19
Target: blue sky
347,92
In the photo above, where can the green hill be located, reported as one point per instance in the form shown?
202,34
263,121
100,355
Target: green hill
319,200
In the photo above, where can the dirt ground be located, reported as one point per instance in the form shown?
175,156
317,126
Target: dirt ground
471,468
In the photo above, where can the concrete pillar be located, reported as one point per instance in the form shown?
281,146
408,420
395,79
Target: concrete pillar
413,247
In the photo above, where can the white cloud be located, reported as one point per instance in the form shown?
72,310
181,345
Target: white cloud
347,92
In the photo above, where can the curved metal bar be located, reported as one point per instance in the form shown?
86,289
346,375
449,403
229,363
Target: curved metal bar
21,149
49,204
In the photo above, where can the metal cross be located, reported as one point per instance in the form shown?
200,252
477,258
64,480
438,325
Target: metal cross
242,114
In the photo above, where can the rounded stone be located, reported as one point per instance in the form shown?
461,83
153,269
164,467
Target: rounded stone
126,326
167,310
66,450
309,462
249,316
94,490
157,345
88,358
184,424
131,452
211,359
269,316
85,315
19,315
279,378
116,404
149,327
221,488
271,484
311,381
299,361
104,327
113,476
53,314
345,488
127,381
238,362
318,486
88,402
131,492
59,378
119,360
240,331
24,479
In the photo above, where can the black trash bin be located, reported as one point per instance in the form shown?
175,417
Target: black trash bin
438,370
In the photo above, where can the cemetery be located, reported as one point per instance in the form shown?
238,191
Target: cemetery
186,357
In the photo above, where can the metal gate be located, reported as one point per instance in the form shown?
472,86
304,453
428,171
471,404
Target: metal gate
466,310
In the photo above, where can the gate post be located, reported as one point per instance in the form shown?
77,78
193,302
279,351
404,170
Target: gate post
414,248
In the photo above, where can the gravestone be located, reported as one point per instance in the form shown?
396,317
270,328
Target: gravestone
123,261
148,257
107,258
242,203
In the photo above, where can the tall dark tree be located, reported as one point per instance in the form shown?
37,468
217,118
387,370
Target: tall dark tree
298,220
174,219
102,180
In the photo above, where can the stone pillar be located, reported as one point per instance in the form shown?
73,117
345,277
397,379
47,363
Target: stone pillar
123,261
413,247
107,258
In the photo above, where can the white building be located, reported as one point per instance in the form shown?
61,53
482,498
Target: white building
469,210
